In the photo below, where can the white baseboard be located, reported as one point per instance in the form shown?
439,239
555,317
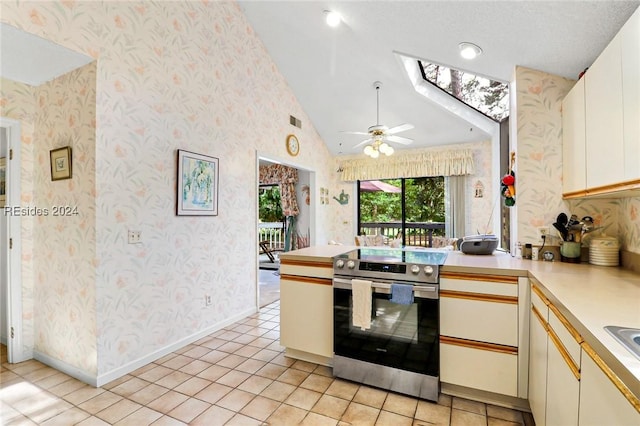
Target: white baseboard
103,379
62,366
141,362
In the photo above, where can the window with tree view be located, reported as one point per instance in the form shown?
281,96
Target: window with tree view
487,96
412,209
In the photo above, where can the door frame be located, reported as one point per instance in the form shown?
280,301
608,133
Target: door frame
312,212
13,274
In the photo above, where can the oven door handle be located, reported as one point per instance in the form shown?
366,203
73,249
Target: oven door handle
422,291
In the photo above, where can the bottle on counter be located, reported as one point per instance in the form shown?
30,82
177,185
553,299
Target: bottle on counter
526,253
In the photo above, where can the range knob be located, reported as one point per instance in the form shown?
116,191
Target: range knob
351,264
415,269
428,270
339,263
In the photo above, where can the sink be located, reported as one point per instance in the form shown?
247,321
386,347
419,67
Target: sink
628,337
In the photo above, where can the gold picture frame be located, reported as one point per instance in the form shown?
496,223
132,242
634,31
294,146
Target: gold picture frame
61,165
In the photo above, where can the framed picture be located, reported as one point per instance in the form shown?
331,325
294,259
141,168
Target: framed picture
3,181
197,184
60,163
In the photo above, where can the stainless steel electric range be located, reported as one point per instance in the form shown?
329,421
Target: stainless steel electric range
399,350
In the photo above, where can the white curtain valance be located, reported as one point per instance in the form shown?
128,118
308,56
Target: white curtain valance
436,163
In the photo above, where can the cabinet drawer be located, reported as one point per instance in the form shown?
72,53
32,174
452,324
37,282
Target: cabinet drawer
567,335
306,268
477,319
479,368
540,302
484,284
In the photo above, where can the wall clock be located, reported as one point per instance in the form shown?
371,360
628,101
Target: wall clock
293,145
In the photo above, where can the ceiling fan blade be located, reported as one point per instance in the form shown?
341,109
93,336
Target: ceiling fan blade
400,128
399,139
354,133
363,142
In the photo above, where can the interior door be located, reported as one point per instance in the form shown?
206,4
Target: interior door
10,244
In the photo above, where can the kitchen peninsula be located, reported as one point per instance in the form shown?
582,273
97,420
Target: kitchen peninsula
576,300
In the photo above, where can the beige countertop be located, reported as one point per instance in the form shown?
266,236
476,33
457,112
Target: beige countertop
316,253
591,297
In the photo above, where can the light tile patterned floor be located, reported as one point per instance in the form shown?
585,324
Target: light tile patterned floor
236,376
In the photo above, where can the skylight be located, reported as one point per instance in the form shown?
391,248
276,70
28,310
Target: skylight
489,97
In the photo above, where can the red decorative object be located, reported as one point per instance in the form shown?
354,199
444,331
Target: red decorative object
508,184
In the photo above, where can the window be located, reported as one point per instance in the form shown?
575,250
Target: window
487,96
412,209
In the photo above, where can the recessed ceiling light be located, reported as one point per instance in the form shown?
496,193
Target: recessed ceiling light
469,50
333,19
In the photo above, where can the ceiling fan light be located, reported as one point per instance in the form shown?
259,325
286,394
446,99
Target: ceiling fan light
469,50
389,150
383,147
374,154
333,19
368,149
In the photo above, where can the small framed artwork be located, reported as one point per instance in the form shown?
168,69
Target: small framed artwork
61,163
198,178
3,181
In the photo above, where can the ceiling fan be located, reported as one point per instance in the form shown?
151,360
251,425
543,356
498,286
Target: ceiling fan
379,133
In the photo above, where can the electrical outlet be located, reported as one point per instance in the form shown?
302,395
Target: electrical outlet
135,237
543,230
207,300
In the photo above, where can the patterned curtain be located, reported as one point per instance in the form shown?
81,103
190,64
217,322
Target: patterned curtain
453,162
286,177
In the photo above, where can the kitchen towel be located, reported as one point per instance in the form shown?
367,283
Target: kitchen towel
361,292
402,294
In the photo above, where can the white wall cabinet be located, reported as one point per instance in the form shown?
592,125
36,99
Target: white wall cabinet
630,46
480,348
601,402
601,113
604,117
574,171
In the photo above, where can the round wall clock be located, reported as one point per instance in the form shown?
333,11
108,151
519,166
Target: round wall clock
293,145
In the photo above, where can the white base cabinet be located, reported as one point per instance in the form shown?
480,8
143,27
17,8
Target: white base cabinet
479,367
480,332
601,402
538,343
563,390
306,311
569,384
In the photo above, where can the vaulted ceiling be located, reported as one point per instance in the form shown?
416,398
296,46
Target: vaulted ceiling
332,70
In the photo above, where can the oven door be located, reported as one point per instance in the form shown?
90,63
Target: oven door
405,337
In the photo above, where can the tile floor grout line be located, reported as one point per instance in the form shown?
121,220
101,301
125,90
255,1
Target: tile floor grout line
304,379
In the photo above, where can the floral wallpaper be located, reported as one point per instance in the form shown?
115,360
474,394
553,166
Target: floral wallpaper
539,166
169,75
65,237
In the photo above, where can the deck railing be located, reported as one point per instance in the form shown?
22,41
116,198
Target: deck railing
273,232
416,234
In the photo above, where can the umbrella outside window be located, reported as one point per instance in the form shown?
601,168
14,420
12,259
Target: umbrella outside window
377,185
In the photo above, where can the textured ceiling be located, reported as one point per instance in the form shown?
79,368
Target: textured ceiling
32,60
331,70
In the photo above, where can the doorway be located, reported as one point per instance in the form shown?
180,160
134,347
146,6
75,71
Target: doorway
277,235
10,244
